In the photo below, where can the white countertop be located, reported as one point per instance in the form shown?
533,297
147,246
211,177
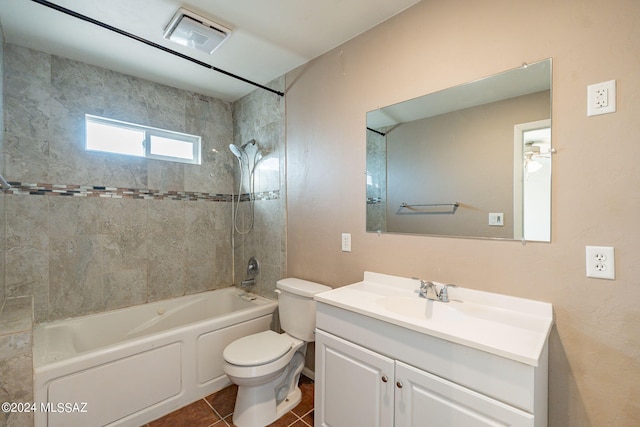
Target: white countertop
511,327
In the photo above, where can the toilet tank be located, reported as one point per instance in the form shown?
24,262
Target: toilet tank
297,308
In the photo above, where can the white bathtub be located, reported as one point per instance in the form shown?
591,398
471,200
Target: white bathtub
130,366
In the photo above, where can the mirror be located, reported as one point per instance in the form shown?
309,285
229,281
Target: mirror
469,161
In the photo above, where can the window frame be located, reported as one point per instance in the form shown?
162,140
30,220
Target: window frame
194,140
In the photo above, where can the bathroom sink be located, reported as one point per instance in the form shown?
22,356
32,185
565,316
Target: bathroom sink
511,327
420,308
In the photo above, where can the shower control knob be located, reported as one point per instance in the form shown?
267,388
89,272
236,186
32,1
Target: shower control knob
384,379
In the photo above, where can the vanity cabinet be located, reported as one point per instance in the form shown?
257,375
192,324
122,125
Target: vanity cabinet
371,373
357,386
354,386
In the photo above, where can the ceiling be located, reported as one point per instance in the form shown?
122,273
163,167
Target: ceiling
269,38
519,81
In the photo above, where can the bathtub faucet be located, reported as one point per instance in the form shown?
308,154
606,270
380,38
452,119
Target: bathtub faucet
253,268
247,283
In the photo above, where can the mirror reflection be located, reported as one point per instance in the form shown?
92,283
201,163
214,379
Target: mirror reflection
470,161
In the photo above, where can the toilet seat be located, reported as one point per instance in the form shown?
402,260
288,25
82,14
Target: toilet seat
257,349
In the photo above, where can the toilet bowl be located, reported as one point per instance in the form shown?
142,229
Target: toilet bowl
245,365
264,377
266,366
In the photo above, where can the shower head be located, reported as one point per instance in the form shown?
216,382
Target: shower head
236,151
239,151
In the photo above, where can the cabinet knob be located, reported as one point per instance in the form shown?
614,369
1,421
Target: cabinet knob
399,384
384,379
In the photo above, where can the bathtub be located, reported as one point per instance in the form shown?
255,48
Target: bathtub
130,366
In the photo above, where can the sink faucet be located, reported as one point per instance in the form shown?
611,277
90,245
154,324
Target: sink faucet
426,286
444,293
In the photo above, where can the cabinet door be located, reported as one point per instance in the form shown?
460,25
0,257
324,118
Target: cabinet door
425,400
354,386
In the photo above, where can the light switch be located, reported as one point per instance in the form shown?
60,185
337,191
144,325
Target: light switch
496,219
346,242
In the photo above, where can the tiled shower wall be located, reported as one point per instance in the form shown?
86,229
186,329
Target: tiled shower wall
16,314
261,116
124,233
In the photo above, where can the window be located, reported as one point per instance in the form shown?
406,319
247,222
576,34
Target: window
113,136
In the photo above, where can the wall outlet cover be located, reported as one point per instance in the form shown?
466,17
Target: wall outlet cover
601,262
601,98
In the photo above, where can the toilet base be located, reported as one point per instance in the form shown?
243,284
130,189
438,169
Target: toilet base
261,412
289,403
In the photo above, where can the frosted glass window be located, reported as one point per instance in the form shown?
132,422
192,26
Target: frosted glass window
115,139
131,139
171,147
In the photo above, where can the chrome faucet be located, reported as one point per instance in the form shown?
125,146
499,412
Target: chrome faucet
426,286
443,296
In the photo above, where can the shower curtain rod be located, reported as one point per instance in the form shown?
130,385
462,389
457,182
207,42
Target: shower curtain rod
150,43
376,131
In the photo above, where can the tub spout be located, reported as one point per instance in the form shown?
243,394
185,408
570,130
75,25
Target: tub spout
247,283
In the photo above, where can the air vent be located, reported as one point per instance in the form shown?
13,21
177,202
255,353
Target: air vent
191,30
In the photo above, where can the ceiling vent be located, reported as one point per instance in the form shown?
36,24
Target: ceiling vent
191,30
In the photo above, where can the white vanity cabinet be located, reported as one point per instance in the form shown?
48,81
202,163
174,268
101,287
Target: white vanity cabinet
356,386
423,399
375,374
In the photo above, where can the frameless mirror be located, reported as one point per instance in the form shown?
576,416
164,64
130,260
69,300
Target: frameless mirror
469,161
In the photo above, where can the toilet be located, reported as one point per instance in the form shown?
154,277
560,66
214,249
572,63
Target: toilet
266,366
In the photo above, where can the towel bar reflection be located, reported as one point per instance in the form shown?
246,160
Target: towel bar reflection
433,208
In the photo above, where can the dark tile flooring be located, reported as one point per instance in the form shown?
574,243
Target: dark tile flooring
216,410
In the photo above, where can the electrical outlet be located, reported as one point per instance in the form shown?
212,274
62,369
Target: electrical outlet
346,242
601,98
600,262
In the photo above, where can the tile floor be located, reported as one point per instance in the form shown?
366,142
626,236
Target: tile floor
216,411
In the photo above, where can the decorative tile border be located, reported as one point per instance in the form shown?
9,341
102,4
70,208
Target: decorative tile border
21,188
265,195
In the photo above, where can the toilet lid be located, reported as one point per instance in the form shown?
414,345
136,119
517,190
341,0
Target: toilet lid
257,349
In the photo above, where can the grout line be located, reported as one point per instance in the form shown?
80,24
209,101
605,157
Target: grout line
213,409
210,406
220,423
301,418
221,420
